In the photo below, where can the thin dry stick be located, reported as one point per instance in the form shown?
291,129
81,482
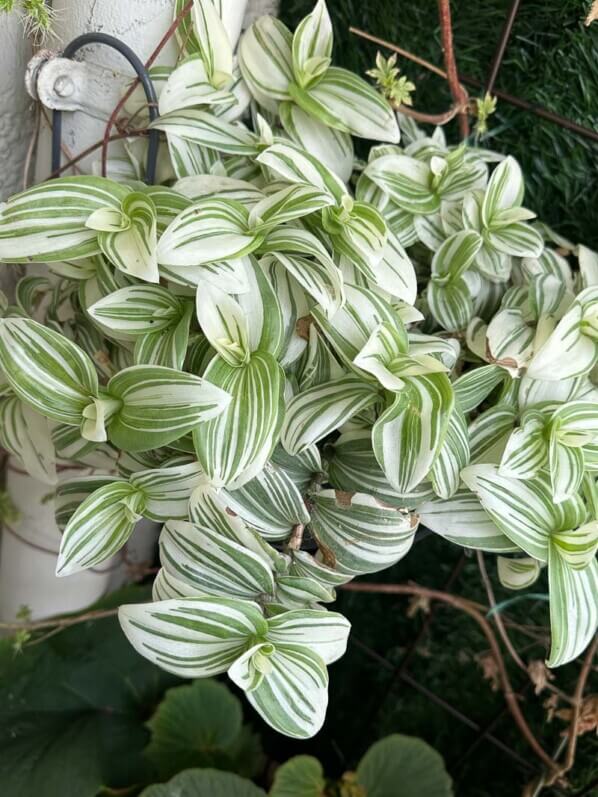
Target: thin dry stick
473,610
121,103
500,626
62,622
88,150
458,93
395,48
576,712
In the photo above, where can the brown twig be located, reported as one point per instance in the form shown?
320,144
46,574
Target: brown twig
576,711
500,626
92,148
431,118
473,610
458,93
62,622
121,103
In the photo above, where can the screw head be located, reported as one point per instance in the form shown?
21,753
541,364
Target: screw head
64,86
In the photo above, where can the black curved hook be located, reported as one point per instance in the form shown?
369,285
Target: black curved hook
144,79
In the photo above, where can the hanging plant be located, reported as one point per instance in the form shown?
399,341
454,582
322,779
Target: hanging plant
296,358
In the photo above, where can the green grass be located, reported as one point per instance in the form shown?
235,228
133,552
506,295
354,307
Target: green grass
551,60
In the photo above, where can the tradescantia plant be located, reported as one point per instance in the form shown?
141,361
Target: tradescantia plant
291,358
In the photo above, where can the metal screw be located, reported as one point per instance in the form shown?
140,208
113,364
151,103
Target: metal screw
64,86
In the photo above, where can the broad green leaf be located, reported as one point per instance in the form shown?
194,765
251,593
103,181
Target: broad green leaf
160,405
344,101
573,607
362,534
234,447
99,527
518,573
46,370
300,776
265,59
403,761
408,435
193,637
208,231
317,411
47,223
25,434
204,783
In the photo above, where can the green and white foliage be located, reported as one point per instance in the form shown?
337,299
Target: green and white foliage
291,359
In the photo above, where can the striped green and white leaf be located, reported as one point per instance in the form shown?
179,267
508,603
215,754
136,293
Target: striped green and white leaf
572,348
345,102
452,457
46,371
358,232
395,273
168,347
224,323
99,528
526,452
350,328
320,278
312,45
352,467
291,202
25,434
490,431
138,309
318,365
199,186
573,607
323,632
188,86
234,447
517,573
577,547
408,435
476,385
386,357
160,405
566,465
203,128
524,510
193,637
462,520
213,41
362,534
210,230
295,164
509,341
71,493
451,304
320,410
270,502
167,491
331,147
505,190
47,223
407,182
452,259
129,238
212,563
265,59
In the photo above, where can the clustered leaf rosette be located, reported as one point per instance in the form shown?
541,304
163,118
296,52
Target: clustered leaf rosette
291,358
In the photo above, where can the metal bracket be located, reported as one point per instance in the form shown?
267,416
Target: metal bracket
62,84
